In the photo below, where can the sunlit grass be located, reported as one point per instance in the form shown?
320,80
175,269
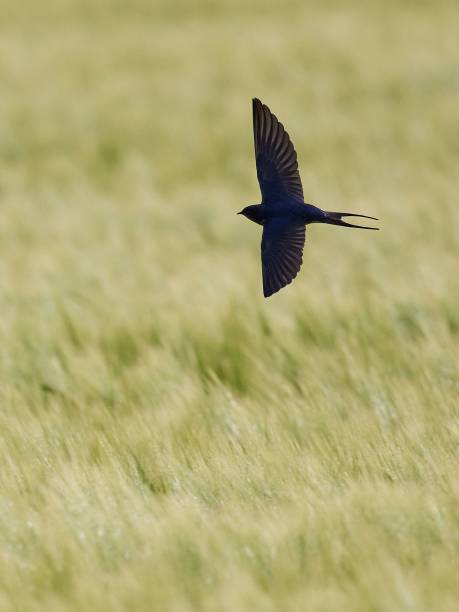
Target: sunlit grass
169,439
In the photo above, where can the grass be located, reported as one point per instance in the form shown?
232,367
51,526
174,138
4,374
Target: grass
169,439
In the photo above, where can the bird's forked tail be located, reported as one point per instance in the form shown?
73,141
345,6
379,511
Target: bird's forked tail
335,218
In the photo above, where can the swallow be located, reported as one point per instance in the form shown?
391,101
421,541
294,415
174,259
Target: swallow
283,213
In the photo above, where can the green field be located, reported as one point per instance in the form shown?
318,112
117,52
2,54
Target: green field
169,439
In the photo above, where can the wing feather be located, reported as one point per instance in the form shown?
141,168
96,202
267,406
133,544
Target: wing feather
281,252
276,159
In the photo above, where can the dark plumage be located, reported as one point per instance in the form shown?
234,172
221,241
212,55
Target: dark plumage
282,212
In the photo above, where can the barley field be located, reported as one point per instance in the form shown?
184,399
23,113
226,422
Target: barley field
169,439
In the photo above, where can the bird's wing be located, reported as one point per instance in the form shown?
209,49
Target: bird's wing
275,156
281,252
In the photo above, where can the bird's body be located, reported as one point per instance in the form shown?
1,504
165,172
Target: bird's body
282,212
259,213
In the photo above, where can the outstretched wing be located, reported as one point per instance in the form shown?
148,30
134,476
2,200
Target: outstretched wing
277,166
281,252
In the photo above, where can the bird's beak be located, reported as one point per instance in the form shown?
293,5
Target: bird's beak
239,213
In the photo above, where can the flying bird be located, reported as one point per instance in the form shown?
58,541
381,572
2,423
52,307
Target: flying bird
283,213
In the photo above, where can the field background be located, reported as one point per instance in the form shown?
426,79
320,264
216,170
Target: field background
169,440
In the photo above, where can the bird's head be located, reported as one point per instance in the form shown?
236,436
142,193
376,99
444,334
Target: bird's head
253,212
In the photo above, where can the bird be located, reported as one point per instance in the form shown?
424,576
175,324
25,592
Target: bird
283,213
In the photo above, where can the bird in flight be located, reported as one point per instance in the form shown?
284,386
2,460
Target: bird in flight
283,212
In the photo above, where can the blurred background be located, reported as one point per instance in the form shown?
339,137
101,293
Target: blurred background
126,142
167,432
